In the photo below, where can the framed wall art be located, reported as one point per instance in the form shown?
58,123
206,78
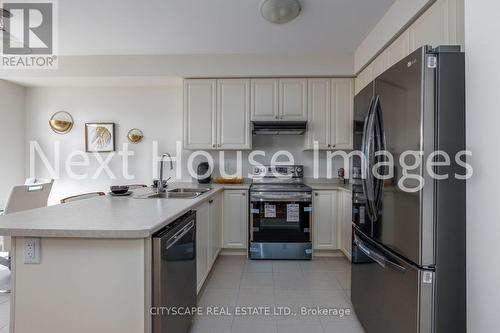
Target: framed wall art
99,137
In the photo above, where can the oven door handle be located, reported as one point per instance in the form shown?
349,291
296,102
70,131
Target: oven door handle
281,197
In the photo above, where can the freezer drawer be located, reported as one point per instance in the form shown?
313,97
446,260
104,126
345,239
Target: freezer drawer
389,295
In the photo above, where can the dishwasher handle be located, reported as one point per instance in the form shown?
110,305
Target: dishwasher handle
175,238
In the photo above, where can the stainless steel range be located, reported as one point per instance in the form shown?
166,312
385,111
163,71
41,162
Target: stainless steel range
280,214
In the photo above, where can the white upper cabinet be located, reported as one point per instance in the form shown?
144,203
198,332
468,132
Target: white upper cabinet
330,114
399,49
441,24
264,100
319,109
217,114
200,114
342,114
364,77
293,99
279,100
233,114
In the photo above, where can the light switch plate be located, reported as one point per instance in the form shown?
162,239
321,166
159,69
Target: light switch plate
32,250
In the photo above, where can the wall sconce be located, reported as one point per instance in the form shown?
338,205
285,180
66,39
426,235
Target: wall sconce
135,135
61,122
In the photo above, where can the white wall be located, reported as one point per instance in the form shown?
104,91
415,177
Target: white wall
12,120
400,13
483,118
155,110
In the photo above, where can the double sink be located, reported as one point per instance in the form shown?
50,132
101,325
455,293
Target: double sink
178,193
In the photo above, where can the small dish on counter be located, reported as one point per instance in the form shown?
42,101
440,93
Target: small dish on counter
119,189
126,194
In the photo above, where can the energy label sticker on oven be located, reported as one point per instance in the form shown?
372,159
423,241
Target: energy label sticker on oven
292,212
270,211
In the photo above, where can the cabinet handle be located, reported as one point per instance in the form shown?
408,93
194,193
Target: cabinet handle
276,117
213,146
316,194
211,202
243,194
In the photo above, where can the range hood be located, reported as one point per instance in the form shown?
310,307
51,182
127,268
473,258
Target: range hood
279,127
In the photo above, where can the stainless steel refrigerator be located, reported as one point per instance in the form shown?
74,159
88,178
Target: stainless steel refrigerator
408,256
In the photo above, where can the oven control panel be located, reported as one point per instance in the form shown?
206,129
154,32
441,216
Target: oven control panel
275,171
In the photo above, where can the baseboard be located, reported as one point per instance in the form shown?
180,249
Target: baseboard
328,253
233,252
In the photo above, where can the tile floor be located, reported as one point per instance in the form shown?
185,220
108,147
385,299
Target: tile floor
236,281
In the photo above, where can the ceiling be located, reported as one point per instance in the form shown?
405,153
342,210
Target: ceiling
161,27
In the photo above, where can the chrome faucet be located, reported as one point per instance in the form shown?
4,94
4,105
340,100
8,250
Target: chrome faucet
160,188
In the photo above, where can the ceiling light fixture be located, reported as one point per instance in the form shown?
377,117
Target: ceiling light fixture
280,11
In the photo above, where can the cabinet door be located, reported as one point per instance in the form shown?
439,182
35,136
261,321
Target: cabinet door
379,65
200,114
365,77
233,114
264,100
345,205
202,243
293,99
215,230
342,114
399,49
235,219
439,25
319,113
325,220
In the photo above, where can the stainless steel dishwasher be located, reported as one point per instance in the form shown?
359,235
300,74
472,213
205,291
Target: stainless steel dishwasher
174,275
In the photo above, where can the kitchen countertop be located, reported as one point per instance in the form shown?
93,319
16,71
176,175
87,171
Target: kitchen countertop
106,217
327,184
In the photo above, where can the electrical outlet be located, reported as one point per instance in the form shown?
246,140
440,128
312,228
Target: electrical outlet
32,251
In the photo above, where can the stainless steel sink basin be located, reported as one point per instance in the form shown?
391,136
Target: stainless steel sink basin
178,193
189,190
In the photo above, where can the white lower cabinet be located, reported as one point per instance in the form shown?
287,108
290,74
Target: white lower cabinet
215,230
202,243
235,219
345,222
332,226
208,237
325,215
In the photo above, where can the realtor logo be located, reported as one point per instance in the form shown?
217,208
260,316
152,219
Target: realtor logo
28,34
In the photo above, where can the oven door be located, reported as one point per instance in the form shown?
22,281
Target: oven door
280,217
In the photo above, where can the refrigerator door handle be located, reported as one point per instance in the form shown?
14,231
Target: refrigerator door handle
380,147
368,162
395,266
379,259
364,161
